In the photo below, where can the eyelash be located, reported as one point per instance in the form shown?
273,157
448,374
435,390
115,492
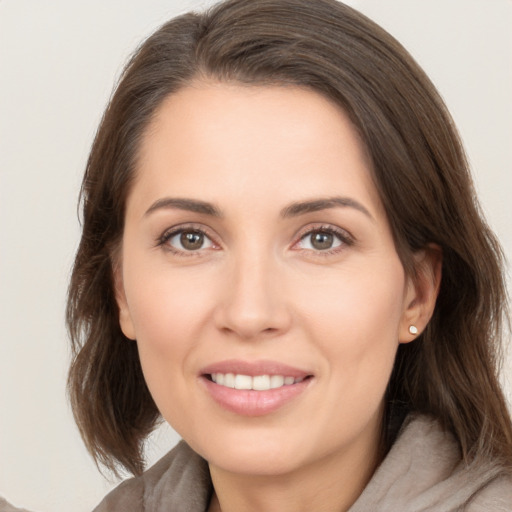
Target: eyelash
345,238
163,240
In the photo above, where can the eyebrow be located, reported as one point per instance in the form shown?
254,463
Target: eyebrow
190,205
293,210
315,205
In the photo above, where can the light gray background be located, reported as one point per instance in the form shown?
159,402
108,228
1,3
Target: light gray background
58,62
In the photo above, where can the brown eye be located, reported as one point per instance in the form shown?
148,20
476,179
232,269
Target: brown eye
187,240
192,240
322,240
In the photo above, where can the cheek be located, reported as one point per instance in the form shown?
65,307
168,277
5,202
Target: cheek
163,301
355,319
168,310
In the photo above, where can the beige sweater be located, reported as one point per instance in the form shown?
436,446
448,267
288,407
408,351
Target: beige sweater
7,507
421,473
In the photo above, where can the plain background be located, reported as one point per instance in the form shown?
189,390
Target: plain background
58,62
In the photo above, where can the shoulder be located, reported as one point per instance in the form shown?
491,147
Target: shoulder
495,497
7,507
181,478
424,471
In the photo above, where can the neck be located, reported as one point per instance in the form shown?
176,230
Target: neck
330,484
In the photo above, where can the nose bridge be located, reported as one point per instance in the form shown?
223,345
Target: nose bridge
254,302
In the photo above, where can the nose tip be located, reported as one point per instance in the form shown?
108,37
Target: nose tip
248,326
253,305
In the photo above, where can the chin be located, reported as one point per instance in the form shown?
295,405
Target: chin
252,451
262,462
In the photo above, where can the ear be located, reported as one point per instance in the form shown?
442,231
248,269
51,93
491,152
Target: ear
421,294
125,319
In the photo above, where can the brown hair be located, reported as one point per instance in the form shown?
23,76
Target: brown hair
419,167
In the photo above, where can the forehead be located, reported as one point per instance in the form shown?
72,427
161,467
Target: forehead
218,137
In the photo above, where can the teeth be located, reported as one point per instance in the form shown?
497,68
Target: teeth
276,381
229,380
258,382
243,382
261,382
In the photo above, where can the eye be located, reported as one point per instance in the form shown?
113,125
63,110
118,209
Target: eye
187,240
323,239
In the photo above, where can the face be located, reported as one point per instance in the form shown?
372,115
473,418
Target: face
259,278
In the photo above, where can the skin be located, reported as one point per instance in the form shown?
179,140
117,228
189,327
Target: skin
258,288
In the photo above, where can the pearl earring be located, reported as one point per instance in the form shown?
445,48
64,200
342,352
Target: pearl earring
413,329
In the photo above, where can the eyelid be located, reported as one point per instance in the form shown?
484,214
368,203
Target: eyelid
344,236
172,231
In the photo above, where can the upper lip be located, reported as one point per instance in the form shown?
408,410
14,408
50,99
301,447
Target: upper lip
254,368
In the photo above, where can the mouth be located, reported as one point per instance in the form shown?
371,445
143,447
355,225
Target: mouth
255,388
256,382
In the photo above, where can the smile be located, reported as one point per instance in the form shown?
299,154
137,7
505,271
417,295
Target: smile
254,388
256,383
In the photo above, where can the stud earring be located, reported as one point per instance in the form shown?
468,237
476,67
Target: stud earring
413,329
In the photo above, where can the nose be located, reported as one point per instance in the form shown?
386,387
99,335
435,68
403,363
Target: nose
254,302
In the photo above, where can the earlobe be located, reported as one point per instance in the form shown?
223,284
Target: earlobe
422,292
125,319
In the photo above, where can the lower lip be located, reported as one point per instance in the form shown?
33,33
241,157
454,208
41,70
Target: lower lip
248,402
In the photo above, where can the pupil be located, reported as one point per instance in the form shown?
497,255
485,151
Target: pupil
191,240
322,240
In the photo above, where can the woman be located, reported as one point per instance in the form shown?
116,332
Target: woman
283,257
